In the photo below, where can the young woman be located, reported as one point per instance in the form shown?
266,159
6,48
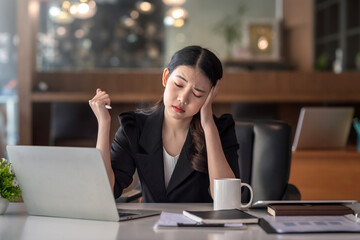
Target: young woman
178,147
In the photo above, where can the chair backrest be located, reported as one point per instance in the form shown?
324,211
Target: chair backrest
264,157
72,124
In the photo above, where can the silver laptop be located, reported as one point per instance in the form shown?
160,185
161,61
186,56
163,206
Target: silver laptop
323,128
67,182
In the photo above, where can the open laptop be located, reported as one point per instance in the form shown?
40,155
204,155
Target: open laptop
67,182
323,128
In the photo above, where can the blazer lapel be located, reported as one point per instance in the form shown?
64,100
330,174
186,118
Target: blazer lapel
183,168
151,163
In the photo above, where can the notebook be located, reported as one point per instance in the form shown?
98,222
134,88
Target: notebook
67,182
323,128
221,216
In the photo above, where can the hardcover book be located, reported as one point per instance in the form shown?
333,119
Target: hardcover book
308,209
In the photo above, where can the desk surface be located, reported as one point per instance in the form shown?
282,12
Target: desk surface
16,224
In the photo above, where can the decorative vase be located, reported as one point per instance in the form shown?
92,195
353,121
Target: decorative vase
4,203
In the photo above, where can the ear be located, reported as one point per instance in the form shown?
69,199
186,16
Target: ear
165,76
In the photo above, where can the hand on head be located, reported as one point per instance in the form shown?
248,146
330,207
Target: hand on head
206,110
97,104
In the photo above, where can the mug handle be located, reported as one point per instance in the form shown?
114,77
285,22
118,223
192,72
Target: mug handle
251,195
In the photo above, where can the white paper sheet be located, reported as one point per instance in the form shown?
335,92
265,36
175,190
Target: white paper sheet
174,219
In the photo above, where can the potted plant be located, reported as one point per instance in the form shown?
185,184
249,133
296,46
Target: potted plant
230,28
9,188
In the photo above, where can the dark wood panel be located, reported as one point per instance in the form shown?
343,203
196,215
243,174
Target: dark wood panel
284,86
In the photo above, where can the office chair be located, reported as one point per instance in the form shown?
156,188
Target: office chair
265,159
72,124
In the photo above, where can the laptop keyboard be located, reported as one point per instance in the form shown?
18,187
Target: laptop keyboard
125,214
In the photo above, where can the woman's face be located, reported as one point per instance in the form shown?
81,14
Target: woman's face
186,90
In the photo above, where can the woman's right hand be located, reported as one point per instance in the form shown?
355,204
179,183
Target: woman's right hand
97,104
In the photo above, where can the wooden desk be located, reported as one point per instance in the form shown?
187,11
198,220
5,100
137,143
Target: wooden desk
16,224
327,174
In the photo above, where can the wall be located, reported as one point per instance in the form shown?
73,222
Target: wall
203,15
298,33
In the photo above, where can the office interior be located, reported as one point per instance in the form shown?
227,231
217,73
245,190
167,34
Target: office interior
310,57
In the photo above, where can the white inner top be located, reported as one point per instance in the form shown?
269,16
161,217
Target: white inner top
169,166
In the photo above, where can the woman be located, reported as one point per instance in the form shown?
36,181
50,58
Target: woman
178,147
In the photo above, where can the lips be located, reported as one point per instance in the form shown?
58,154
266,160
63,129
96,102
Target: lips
178,109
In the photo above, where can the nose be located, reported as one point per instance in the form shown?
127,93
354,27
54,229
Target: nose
184,97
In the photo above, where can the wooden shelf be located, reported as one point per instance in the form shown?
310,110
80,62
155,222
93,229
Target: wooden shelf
84,97
236,86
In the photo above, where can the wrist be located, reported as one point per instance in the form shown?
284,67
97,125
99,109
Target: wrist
208,125
105,124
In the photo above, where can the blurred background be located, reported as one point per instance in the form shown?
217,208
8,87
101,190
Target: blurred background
278,56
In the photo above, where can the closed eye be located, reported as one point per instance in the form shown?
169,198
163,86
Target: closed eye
178,85
197,95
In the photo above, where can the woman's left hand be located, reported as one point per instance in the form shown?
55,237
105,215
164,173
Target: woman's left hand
206,113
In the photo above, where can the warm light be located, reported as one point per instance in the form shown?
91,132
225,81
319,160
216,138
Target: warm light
176,17
263,43
92,4
174,2
134,14
61,31
59,16
83,8
179,23
80,33
66,5
145,7
128,22
177,12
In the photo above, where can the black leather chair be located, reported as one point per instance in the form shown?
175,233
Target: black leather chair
72,124
265,159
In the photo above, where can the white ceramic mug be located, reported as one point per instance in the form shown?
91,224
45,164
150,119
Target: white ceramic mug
227,194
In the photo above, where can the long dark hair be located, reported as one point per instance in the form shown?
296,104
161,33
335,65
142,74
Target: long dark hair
210,65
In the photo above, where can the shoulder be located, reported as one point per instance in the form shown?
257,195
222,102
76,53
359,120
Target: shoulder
131,121
225,123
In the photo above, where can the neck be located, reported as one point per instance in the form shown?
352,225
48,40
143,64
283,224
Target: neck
175,127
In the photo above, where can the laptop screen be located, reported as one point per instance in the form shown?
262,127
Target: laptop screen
323,128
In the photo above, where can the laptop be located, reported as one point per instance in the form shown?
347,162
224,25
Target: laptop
323,128
68,182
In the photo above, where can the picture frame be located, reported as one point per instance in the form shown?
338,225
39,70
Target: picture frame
262,37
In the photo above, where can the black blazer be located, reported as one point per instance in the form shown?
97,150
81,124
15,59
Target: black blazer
138,145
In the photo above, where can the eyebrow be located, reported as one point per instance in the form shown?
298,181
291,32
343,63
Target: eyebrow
197,89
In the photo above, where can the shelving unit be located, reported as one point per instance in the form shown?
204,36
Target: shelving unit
337,26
